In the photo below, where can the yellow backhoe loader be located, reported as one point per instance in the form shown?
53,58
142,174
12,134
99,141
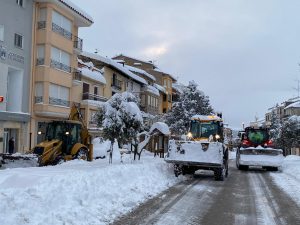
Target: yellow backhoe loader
65,140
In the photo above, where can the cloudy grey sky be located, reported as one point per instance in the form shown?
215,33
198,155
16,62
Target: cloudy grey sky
243,53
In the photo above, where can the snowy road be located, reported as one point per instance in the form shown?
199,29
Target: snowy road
245,198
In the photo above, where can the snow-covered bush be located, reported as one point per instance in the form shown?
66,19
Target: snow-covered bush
192,101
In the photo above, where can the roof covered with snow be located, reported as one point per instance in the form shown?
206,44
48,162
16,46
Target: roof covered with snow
137,70
115,65
140,60
91,72
165,73
152,90
73,7
160,88
162,127
178,87
293,105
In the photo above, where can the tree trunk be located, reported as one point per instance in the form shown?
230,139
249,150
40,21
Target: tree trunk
111,151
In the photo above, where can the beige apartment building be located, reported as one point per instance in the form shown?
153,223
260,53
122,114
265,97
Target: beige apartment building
56,45
163,79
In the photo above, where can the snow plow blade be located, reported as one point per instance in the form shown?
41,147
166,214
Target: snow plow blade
265,157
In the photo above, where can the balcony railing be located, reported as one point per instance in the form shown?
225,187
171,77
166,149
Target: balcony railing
116,84
60,66
40,61
41,25
57,101
58,29
38,99
78,43
77,75
88,96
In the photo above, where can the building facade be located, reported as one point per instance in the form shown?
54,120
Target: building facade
15,73
56,46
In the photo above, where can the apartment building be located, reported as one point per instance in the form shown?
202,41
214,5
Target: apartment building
90,94
163,79
15,72
56,46
118,79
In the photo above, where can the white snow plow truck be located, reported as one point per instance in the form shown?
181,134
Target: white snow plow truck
204,148
257,149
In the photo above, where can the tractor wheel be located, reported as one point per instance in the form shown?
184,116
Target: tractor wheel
82,154
219,174
271,168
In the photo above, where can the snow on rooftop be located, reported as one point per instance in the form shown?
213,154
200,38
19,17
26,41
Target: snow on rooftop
159,70
92,74
162,127
208,118
178,87
136,63
78,10
160,88
152,90
115,65
293,105
137,70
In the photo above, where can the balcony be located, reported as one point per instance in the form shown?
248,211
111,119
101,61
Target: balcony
89,96
60,66
116,84
41,25
60,102
78,43
40,61
56,28
38,99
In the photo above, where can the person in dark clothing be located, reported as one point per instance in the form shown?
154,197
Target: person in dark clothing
11,145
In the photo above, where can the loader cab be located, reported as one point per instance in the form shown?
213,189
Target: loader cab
66,131
203,127
256,136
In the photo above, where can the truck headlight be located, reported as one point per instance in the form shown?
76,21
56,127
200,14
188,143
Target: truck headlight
218,136
190,135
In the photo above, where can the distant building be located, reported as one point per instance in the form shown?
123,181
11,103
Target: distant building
163,79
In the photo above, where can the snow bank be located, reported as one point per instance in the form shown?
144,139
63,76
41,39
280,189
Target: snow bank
289,179
80,192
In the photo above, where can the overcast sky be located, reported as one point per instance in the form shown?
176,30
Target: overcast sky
244,54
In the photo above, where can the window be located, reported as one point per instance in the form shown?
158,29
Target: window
18,40
40,55
60,59
1,32
43,14
20,2
59,95
38,92
95,90
149,100
61,25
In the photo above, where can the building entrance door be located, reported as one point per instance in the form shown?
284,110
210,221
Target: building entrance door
8,134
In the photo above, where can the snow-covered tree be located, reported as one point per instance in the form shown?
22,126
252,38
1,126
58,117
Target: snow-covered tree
192,101
275,128
120,118
290,133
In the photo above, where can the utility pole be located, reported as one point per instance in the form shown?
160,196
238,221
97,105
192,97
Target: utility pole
297,88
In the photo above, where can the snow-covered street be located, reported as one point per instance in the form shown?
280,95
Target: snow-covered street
80,192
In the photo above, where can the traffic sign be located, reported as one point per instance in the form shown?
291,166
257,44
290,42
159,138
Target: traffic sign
1,99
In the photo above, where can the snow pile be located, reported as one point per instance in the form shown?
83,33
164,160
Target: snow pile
80,192
100,147
162,127
289,179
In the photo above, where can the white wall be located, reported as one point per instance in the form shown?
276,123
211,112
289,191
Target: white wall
14,90
3,85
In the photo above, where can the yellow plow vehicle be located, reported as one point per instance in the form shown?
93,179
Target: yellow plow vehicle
65,140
